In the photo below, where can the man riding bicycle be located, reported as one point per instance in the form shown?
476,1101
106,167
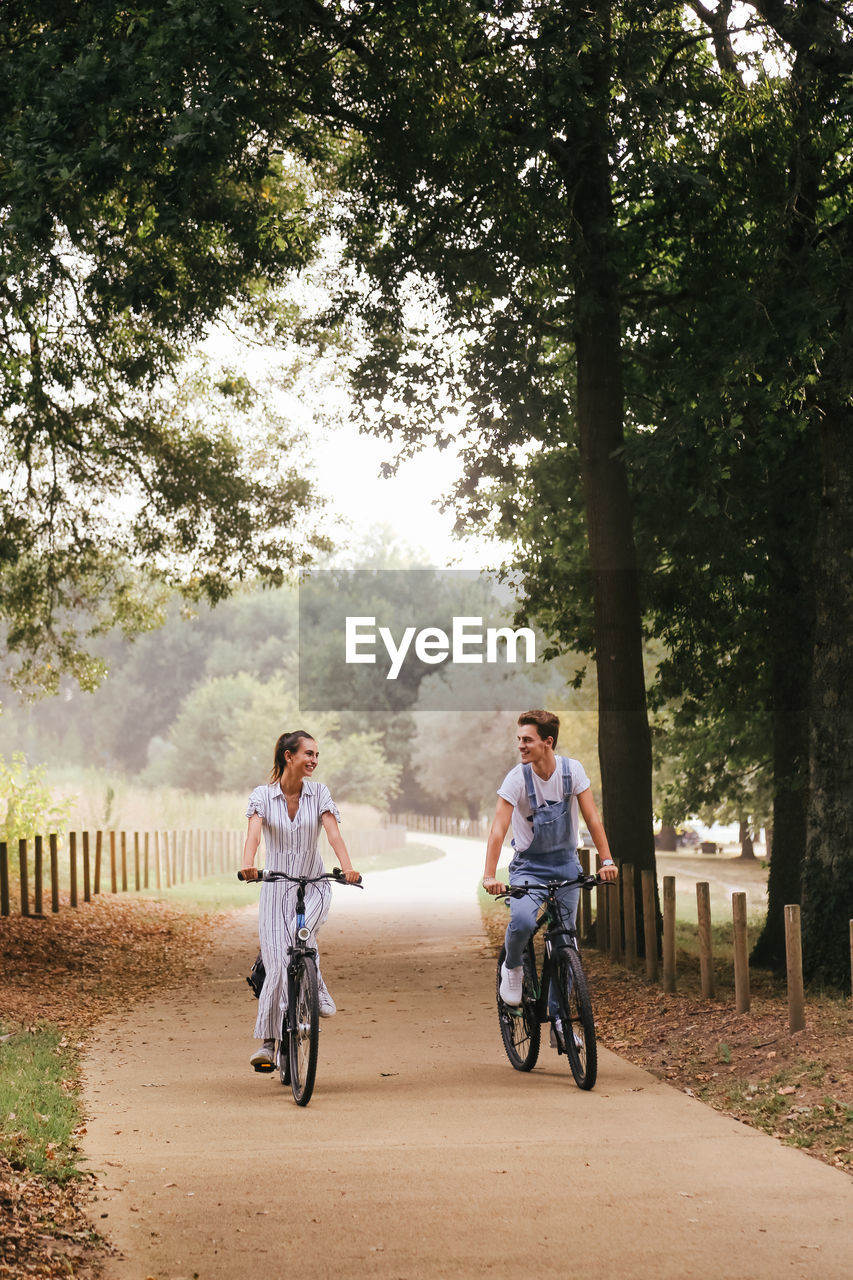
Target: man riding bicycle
541,797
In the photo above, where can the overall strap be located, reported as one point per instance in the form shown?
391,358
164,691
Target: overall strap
567,779
527,772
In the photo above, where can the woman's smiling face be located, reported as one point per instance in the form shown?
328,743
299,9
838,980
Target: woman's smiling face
303,761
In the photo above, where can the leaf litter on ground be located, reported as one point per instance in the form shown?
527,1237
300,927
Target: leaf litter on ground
68,971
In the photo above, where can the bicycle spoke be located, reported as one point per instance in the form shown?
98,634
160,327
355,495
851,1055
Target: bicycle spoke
305,1031
520,1027
578,1025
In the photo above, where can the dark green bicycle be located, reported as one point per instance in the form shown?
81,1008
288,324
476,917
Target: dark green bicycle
562,972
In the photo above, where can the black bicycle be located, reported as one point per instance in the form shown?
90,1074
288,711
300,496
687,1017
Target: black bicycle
296,1051
573,1025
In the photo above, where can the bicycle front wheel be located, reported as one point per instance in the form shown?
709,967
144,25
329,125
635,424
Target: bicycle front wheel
284,1053
520,1027
304,1030
578,1027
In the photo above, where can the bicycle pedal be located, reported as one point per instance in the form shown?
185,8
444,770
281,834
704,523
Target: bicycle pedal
264,1067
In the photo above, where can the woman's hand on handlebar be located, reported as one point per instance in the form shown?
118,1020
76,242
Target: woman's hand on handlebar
351,876
248,873
494,886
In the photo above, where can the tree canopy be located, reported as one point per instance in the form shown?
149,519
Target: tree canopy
614,243
144,194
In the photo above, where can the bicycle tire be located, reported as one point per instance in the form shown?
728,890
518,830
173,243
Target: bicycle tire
284,1053
521,1030
575,1006
304,1036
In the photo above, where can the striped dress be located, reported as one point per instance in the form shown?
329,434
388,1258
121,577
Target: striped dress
291,846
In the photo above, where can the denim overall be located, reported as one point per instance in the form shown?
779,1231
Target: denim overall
549,856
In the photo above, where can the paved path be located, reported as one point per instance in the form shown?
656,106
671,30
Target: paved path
423,1154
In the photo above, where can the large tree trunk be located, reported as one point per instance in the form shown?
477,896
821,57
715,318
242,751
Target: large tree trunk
623,736
828,866
791,631
747,852
667,841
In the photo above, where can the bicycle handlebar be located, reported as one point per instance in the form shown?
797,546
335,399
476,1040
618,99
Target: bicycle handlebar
585,882
334,874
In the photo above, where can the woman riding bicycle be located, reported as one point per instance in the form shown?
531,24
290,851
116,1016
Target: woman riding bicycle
289,813
540,797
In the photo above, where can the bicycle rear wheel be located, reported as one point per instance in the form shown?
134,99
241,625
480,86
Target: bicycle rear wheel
520,1027
305,1030
575,1007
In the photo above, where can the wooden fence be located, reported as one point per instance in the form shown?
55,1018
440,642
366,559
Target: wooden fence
85,863
71,869
615,933
477,827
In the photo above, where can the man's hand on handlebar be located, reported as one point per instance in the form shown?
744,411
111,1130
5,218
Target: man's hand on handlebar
494,886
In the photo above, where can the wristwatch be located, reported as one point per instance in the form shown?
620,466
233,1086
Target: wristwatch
608,862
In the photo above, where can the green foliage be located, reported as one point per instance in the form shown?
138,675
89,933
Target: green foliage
29,808
145,194
224,734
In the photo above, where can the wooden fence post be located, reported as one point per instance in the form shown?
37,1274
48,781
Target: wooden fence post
124,862
706,959
145,859
741,951
99,846
72,864
669,934
602,908
113,864
650,924
87,882
5,907
25,877
794,964
54,871
137,879
164,845
614,922
157,878
38,874
626,875
585,904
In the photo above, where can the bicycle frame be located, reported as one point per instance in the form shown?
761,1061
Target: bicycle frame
558,934
297,1051
558,993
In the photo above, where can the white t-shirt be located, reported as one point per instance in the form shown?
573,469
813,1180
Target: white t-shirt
513,789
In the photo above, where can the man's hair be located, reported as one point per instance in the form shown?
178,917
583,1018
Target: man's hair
547,724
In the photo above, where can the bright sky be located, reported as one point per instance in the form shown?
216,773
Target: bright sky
349,465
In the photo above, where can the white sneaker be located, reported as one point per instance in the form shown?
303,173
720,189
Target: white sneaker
263,1059
327,1005
511,982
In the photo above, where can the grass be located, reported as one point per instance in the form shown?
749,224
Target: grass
39,1102
772,1106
